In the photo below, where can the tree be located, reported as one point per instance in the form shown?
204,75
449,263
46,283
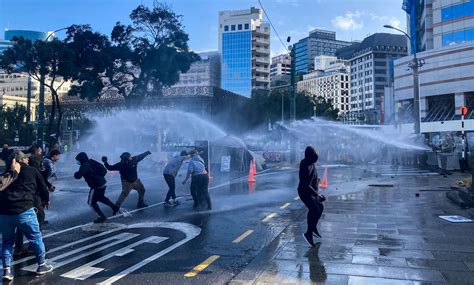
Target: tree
13,124
139,60
48,62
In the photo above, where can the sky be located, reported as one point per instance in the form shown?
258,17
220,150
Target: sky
350,19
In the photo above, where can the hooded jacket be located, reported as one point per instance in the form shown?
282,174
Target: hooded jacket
92,171
308,174
19,196
126,167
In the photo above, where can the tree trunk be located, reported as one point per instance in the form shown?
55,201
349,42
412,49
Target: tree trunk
60,115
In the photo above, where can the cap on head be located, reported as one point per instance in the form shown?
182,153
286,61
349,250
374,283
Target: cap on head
19,155
183,153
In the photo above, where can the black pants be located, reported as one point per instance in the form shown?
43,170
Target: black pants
200,190
40,215
315,209
463,164
98,195
170,180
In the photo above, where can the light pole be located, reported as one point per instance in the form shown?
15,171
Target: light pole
40,138
414,64
292,83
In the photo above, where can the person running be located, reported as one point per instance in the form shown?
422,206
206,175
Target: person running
36,158
308,193
169,173
129,176
93,173
200,180
49,168
17,211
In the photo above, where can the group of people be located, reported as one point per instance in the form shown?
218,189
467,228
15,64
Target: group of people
24,194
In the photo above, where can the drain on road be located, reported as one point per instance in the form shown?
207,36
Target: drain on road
380,185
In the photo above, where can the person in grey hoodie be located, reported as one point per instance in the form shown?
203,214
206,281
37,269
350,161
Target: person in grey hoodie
169,173
200,180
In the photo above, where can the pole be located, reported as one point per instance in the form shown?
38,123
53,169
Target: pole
41,112
416,92
292,88
28,100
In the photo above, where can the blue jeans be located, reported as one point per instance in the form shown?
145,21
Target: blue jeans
27,223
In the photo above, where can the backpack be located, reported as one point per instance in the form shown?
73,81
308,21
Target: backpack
98,168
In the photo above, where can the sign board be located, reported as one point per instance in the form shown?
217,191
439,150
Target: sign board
225,163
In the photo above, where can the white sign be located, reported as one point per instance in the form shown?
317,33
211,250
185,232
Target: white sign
225,164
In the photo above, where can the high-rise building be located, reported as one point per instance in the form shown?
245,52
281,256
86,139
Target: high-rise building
370,74
319,42
443,33
244,45
330,80
281,64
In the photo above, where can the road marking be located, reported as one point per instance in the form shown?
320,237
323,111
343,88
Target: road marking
196,270
269,217
242,236
120,239
297,198
285,206
191,232
87,270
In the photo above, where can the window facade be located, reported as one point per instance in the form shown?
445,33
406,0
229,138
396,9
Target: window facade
236,62
458,37
458,11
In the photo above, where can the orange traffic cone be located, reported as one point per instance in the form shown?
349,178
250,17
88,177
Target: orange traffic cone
324,181
251,172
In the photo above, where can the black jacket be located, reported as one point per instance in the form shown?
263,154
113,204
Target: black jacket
19,196
36,161
92,171
128,168
6,153
308,174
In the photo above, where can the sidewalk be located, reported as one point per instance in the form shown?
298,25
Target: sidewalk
376,236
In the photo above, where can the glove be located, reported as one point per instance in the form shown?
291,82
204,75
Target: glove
104,159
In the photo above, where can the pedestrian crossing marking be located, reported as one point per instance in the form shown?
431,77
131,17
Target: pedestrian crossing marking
242,236
196,270
269,217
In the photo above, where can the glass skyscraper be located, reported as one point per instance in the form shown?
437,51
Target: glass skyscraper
244,46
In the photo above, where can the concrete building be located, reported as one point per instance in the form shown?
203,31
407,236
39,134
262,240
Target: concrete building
330,81
319,42
244,46
281,64
370,74
205,72
444,33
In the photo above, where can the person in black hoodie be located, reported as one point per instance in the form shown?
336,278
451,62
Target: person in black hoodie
17,211
93,173
308,193
128,174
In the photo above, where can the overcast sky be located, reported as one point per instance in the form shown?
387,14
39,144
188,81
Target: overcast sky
351,19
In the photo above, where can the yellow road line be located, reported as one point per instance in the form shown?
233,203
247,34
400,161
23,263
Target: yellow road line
269,217
196,270
297,198
285,206
243,236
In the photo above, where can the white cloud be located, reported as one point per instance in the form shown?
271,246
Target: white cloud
350,21
294,3
393,21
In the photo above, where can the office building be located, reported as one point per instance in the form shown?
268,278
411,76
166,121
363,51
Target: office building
319,42
204,72
244,46
443,33
370,74
330,81
281,64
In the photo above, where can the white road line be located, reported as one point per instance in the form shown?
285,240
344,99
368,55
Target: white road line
87,270
191,232
123,253
121,238
68,245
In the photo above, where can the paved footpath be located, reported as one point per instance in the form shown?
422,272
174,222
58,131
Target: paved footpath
381,235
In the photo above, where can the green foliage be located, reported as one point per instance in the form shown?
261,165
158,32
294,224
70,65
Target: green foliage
13,120
139,60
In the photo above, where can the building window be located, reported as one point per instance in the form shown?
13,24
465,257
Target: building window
246,26
239,27
232,28
457,11
226,28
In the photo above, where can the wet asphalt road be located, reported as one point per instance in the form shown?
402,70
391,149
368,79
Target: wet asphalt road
160,245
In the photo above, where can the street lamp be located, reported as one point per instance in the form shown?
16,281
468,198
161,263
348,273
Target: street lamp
414,64
40,138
